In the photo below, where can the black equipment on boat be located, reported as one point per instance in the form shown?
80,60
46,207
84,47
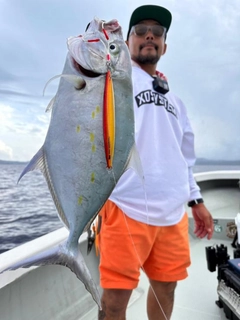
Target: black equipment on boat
228,278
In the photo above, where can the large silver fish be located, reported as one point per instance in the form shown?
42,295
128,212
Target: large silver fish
87,149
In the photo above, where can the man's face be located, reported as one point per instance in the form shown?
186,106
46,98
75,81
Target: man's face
146,49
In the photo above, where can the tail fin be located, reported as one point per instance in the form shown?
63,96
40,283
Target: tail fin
62,256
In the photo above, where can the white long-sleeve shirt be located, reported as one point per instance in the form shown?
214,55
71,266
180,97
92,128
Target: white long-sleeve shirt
165,143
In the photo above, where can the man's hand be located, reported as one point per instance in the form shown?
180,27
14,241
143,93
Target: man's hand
203,221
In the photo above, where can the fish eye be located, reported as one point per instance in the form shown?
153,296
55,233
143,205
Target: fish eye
114,48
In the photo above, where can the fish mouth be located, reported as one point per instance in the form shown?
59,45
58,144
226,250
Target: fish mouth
86,72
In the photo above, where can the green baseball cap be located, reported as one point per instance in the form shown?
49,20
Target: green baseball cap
150,12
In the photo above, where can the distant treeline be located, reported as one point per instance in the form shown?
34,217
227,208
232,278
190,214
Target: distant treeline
203,161
12,162
200,161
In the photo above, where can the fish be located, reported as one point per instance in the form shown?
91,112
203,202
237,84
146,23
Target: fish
90,140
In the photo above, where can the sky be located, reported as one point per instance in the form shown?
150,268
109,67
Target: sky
202,64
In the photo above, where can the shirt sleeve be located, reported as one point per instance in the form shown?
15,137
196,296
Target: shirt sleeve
189,155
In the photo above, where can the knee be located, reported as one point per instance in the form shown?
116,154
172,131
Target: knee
164,288
160,299
169,287
112,307
114,302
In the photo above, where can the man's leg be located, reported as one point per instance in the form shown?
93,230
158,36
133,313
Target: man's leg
119,240
167,264
160,300
114,304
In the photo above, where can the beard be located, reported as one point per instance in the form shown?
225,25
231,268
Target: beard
146,59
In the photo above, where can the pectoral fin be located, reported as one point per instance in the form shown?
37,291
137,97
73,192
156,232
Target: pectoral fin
77,81
50,105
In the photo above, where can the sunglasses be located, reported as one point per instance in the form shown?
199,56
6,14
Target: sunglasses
142,29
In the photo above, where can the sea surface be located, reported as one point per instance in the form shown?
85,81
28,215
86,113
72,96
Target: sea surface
26,208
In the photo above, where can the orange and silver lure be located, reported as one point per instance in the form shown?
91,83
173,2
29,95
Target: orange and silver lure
108,115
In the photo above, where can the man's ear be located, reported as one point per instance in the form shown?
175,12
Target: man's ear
126,42
164,48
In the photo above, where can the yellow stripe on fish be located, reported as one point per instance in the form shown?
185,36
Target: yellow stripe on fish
109,120
93,148
92,136
80,200
92,177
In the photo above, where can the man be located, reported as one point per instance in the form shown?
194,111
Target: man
144,224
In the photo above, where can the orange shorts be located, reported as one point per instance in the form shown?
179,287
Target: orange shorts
126,246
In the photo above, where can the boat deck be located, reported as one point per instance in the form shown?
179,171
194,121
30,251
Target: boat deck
195,296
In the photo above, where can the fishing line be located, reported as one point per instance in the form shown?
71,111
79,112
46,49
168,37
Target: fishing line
134,246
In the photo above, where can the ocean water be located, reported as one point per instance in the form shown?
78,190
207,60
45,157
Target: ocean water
27,210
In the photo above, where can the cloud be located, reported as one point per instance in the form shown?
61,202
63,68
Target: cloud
6,113
213,137
9,92
6,152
